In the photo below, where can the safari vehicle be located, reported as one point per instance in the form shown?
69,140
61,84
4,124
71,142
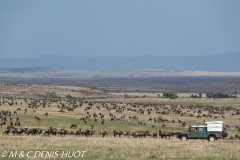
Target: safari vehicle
209,130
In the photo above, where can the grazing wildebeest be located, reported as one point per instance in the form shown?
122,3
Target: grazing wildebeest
36,117
47,132
73,126
141,134
88,132
115,133
94,115
17,131
61,110
78,132
7,131
62,132
126,134
224,134
30,131
154,135
227,126
104,133
184,124
164,135
112,119
85,120
237,136
50,131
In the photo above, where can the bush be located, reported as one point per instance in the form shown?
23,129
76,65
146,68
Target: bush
219,95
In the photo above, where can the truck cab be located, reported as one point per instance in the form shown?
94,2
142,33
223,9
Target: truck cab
209,130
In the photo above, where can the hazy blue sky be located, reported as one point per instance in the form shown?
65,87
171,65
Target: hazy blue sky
31,28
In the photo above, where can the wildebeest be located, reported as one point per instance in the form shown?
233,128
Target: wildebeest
224,134
103,133
51,131
183,124
88,132
237,136
115,133
126,134
140,134
78,132
36,117
73,126
33,131
62,132
164,135
7,131
17,131
154,135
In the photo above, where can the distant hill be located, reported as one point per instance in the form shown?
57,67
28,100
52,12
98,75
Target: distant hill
227,62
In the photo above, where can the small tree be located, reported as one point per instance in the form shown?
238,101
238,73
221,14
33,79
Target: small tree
200,95
235,93
170,95
194,96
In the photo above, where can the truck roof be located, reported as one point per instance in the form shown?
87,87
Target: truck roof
214,122
199,126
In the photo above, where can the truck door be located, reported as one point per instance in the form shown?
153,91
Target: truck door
201,132
193,133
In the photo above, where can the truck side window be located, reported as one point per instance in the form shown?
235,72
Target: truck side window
194,129
200,129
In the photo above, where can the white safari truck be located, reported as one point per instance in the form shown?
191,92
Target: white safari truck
209,130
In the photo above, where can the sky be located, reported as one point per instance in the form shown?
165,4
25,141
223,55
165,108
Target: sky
30,28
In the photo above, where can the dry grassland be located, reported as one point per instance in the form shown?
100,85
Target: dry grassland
110,147
125,148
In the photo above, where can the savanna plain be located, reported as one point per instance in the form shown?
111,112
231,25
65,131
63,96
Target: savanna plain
98,116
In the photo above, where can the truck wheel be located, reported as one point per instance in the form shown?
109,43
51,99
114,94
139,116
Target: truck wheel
184,138
211,138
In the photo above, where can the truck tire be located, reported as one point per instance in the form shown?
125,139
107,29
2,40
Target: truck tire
211,138
184,138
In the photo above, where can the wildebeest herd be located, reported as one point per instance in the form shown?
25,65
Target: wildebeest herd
161,117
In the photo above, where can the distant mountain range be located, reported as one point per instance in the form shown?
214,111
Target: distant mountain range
227,62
